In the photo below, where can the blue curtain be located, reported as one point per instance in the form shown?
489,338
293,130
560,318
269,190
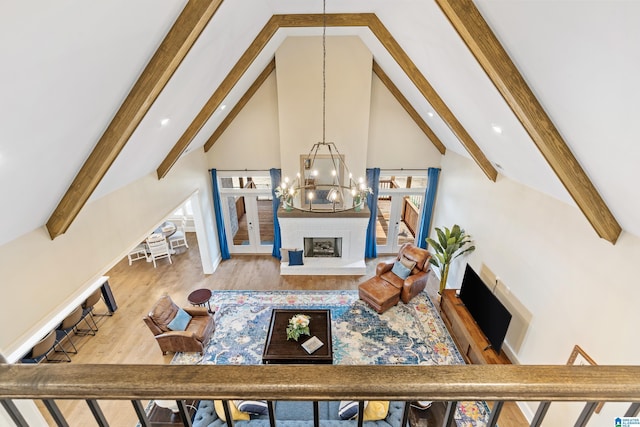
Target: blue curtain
217,210
427,210
373,181
276,175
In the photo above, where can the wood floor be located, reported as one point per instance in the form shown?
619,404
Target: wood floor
124,338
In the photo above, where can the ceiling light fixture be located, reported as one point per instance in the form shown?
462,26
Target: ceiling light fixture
497,129
327,185
430,114
223,106
164,122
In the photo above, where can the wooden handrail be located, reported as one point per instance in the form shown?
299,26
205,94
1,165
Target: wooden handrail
322,382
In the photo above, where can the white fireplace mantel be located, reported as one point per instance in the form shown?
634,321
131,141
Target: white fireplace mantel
351,226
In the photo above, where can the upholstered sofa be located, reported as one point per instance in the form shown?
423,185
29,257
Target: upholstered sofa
402,279
297,414
192,338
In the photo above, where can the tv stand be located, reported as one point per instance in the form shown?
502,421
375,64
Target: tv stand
473,345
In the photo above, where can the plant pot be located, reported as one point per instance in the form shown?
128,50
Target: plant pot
443,279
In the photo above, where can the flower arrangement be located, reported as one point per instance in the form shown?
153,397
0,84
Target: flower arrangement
286,192
298,325
359,193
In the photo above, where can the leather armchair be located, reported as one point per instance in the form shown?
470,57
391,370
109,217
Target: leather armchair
192,339
417,280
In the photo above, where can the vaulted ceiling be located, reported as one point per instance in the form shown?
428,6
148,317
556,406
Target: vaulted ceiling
89,85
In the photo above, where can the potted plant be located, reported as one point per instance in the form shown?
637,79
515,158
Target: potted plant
450,245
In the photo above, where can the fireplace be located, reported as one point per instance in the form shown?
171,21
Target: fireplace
323,247
340,238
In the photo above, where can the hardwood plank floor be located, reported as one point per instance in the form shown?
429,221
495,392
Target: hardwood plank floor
124,338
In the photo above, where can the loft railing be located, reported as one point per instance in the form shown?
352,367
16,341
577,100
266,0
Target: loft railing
497,383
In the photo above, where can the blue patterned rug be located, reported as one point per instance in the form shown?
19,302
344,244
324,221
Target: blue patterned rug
412,334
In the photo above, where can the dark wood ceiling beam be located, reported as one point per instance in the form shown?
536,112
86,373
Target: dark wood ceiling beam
490,54
409,108
219,95
175,46
430,94
240,105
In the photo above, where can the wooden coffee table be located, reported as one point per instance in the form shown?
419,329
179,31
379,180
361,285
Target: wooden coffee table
280,350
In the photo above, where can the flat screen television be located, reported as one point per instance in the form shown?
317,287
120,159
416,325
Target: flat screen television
491,316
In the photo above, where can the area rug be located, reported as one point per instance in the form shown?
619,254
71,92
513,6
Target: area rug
407,334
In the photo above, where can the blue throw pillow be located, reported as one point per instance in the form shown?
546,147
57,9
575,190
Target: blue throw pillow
257,407
400,270
180,322
295,258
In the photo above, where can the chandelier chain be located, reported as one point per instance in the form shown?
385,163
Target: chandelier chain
322,189
324,70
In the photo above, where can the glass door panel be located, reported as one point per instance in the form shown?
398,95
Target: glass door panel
388,223
265,221
248,223
409,219
397,223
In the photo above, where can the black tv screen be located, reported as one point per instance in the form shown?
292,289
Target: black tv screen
491,316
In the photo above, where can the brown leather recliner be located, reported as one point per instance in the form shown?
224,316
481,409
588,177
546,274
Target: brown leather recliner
385,289
192,339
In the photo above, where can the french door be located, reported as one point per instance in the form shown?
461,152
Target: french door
399,209
248,215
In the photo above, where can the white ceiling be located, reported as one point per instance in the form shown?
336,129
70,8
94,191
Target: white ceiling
67,66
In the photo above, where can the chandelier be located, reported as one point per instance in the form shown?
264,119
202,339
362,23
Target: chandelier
326,184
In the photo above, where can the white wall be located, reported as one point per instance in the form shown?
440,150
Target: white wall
40,276
578,288
348,91
252,140
395,140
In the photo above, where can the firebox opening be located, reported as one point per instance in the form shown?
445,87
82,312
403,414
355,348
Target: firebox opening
323,247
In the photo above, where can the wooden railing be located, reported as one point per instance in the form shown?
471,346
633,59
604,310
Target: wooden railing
497,383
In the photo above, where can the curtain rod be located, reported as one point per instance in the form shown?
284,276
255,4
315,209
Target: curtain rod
267,170
403,169
240,170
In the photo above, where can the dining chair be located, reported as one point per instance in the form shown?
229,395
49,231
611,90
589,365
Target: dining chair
70,324
87,308
42,348
158,248
179,238
139,252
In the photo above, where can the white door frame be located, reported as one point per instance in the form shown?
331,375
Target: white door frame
395,212
250,194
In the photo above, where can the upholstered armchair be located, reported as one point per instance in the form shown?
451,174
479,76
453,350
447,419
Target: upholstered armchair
410,256
402,279
179,330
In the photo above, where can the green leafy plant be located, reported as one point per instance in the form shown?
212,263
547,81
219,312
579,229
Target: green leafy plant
450,245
